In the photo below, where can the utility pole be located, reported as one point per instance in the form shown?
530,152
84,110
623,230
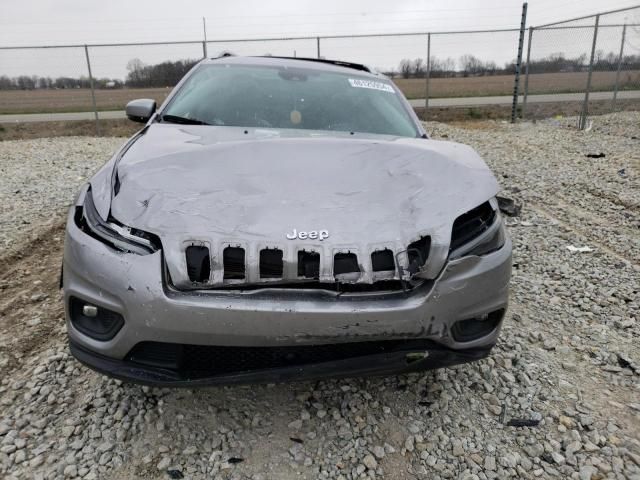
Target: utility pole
516,83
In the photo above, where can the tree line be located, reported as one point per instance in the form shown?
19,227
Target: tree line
33,82
471,66
140,75
167,74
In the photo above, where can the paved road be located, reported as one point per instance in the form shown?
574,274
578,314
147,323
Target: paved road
51,117
434,102
507,99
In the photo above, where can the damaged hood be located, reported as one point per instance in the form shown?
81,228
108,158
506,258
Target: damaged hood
227,185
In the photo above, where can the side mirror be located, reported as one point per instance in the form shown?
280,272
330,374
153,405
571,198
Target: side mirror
140,110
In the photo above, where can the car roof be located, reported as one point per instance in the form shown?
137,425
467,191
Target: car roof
312,63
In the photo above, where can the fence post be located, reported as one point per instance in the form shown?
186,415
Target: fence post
93,92
526,74
318,47
582,122
615,90
427,77
516,82
204,42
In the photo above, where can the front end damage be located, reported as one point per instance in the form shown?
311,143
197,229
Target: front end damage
157,291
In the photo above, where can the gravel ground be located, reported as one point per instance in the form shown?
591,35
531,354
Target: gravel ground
40,179
568,359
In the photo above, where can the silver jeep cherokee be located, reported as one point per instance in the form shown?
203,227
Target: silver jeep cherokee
281,218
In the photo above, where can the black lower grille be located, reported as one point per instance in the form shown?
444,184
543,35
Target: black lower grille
198,361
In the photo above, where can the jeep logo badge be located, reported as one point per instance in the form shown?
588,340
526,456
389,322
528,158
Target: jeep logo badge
311,235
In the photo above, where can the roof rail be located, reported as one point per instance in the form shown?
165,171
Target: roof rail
339,63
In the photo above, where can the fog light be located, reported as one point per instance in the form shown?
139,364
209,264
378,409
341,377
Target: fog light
90,311
478,327
97,323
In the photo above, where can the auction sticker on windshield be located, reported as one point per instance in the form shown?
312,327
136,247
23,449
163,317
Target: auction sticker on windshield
359,83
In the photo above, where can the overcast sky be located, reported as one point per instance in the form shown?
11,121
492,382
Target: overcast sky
56,22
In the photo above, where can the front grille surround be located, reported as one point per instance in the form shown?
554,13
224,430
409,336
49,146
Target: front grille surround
245,266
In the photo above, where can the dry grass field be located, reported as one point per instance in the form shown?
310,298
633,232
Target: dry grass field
503,84
79,100
73,100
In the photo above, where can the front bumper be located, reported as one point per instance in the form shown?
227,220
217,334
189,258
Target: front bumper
395,362
132,285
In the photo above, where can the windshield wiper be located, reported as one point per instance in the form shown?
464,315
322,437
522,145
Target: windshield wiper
183,120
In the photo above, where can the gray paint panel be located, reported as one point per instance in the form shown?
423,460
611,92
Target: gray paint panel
221,186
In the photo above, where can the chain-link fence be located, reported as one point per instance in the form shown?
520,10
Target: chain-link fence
591,64
582,66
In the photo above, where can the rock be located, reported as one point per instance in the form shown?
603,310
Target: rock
490,463
370,462
164,463
566,421
535,450
295,425
191,450
586,420
587,472
495,409
378,452
457,450
36,461
105,447
409,443
19,457
70,471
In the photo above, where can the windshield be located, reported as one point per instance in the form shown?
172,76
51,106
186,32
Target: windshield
284,97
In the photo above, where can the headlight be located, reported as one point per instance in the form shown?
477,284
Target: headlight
478,232
117,236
